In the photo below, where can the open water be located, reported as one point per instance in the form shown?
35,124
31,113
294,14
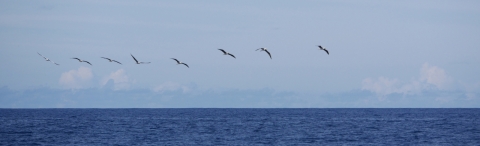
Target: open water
239,126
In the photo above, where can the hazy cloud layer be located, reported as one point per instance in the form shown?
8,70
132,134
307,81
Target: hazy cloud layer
171,86
229,98
431,77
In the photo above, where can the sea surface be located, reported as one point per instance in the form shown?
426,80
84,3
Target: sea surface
200,126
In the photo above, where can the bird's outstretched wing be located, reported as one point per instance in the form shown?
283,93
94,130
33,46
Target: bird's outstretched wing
87,62
268,54
232,55
107,58
185,64
324,49
176,60
224,52
116,61
54,63
77,59
134,59
42,55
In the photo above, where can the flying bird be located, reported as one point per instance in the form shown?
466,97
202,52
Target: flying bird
324,49
80,60
111,60
46,59
139,62
265,49
226,53
178,62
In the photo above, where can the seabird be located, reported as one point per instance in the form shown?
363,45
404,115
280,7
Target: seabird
111,60
139,62
265,49
324,49
46,59
226,53
80,60
178,62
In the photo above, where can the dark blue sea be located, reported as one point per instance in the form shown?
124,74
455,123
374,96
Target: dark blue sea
239,126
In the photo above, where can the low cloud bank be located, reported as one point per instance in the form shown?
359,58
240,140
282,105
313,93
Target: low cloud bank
175,97
432,88
431,79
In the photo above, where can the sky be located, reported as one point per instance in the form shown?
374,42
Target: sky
383,54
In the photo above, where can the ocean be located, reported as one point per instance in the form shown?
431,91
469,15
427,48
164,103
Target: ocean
223,126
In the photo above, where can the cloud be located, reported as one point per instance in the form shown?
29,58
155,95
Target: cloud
472,91
431,78
171,86
75,79
435,76
382,86
118,80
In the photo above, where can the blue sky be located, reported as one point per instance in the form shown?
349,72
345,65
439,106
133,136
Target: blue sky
382,53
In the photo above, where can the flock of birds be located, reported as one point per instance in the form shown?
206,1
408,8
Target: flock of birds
178,62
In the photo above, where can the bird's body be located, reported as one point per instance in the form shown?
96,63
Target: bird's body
324,49
139,62
226,53
111,60
80,60
46,59
265,49
178,62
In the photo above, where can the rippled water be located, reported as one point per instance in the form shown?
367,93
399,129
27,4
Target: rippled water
239,126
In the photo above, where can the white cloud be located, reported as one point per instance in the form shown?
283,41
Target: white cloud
171,86
431,77
119,78
435,76
381,86
75,79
